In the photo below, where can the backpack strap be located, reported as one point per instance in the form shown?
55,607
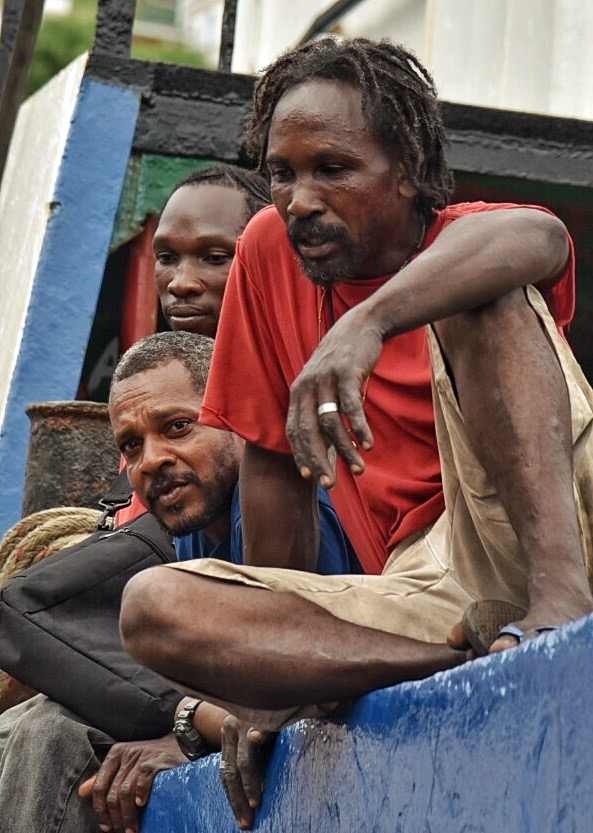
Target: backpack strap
118,497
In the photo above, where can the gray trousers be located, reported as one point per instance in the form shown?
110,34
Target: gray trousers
46,752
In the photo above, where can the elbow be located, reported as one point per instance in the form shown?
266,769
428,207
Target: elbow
549,240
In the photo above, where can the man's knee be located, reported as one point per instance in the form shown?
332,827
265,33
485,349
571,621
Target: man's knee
49,727
144,600
482,327
506,333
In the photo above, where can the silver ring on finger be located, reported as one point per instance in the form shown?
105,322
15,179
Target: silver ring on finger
328,408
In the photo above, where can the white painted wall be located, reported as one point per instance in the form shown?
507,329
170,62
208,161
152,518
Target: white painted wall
201,21
530,55
28,185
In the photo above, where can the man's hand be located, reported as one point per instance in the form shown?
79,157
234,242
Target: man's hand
125,778
245,755
337,372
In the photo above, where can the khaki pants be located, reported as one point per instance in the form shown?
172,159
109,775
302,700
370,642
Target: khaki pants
471,552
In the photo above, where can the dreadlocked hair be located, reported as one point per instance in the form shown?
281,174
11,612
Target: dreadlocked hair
399,103
252,184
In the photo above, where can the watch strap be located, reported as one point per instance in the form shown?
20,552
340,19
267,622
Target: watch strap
192,743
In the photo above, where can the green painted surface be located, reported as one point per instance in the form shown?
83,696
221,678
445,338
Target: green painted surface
526,190
149,181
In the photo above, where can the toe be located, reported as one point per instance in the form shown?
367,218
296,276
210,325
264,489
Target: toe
503,643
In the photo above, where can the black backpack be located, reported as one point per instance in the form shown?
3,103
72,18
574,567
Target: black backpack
59,631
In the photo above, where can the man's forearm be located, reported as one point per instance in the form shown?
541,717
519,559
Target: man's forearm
280,517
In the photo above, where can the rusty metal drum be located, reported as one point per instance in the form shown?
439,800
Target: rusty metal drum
72,458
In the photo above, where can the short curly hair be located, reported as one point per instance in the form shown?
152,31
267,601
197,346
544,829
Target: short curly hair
399,102
192,350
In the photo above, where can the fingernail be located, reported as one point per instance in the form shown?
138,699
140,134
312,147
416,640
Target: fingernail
105,828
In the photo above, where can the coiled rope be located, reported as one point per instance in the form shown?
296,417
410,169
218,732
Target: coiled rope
30,540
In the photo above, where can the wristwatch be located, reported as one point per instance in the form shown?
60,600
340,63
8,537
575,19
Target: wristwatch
192,743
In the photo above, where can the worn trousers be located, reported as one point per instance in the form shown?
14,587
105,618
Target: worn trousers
46,752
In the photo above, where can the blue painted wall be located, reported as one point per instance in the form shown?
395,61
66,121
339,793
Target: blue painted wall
70,271
501,745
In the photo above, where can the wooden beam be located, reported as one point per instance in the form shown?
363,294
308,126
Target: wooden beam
21,20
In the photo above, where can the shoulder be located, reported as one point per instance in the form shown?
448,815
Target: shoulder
263,225
264,248
463,209
445,216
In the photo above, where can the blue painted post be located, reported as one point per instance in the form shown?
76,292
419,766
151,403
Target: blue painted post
70,271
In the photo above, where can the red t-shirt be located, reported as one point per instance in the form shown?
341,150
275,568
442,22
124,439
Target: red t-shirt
271,324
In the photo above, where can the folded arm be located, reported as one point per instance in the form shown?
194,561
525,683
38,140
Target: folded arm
473,262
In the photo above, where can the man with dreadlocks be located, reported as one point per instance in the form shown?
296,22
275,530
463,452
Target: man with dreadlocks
410,357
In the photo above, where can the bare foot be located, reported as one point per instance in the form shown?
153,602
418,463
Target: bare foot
483,621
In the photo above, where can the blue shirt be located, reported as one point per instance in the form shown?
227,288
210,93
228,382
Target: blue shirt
335,551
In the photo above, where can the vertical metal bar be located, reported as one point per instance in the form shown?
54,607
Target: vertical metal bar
21,20
328,18
227,35
113,32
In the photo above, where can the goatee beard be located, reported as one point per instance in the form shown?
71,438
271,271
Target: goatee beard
318,271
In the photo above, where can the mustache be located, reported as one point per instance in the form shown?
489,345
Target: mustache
165,482
306,228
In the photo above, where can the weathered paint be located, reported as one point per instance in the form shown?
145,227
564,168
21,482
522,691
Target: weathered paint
70,270
185,111
115,21
149,181
28,187
523,145
501,745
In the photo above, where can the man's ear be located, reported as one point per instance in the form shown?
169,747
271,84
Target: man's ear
405,187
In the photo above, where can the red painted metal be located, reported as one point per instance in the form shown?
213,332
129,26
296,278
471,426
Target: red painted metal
141,302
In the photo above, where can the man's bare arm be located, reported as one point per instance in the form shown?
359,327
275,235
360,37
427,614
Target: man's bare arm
279,511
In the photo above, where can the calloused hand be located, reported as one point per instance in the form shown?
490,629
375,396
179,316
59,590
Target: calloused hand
245,755
336,372
123,783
